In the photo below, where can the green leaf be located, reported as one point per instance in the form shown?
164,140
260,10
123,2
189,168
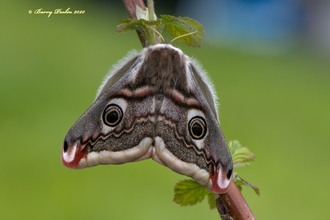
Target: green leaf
185,27
211,200
189,192
146,28
241,155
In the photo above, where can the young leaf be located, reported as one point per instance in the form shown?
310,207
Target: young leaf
189,192
241,155
185,29
146,28
179,26
211,200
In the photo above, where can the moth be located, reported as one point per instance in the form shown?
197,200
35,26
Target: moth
157,104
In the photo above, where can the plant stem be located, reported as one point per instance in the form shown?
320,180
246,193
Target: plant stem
232,205
152,17
131,9
151,10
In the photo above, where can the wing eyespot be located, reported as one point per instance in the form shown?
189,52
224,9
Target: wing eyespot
112,115
197,128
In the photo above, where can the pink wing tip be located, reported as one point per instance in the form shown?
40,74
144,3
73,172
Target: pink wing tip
72,156
220,183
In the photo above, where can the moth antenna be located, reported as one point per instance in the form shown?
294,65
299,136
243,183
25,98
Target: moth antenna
183,35
157,32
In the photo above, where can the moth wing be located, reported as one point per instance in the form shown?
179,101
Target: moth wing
214,143
189,106
117,72
97,138
205,85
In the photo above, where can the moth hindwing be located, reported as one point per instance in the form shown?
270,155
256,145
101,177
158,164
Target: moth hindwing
155,104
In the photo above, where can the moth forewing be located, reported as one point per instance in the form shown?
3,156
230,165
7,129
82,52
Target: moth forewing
215,146
117,72
205,84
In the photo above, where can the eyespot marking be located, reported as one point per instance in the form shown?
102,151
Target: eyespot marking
112,115
197,128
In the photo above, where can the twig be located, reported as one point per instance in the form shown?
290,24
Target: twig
131,9
231,205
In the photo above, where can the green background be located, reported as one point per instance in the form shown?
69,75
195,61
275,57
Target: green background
278,106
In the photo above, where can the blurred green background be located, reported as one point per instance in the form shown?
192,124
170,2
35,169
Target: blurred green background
278,106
